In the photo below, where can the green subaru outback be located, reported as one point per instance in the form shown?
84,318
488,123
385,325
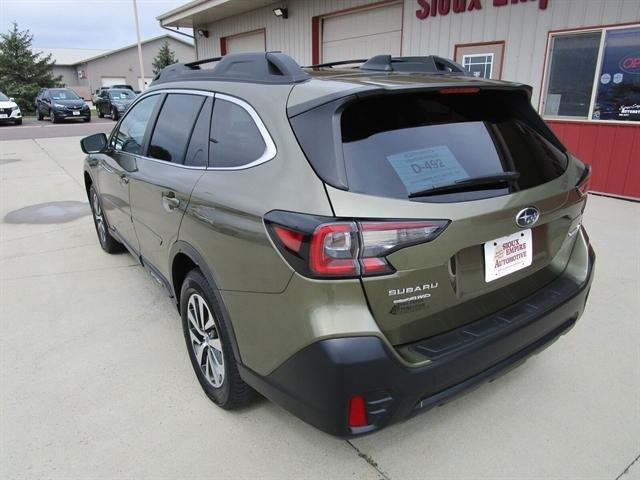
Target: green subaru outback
356,244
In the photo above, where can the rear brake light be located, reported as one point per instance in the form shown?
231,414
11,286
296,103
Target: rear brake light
345,249
585,180
334,250
454,90
357,412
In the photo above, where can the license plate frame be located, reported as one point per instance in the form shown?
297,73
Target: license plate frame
4,115
76,112
506,255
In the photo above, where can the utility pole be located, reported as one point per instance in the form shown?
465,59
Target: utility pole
135,15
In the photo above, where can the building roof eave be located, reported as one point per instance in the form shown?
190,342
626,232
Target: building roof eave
201,12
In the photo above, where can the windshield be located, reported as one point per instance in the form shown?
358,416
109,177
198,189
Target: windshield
63,94
121,95
3,97
397,145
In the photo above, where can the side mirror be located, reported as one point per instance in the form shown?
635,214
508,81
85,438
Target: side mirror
95,143
11,99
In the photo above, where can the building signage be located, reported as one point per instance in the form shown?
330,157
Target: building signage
433,8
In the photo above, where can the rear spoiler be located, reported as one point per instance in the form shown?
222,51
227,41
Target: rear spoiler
366,90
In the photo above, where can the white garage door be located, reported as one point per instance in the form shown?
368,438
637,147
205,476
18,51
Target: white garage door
110,81
250,42
362,34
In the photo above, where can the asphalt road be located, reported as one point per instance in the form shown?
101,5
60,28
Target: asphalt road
95,381
32,128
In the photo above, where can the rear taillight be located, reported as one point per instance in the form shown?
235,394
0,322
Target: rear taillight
321,247
585,180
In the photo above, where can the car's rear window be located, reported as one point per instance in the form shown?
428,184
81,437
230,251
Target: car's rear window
396,145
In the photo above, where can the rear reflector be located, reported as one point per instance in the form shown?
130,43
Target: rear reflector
357,412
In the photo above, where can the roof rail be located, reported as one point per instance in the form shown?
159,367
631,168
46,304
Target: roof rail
263,67
426,64
387,63
335,64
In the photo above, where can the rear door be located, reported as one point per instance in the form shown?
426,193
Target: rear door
395,146
175,158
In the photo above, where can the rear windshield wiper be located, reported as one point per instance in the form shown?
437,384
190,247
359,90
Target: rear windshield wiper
463,184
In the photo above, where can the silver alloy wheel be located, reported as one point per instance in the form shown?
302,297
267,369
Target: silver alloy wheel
205,340
97,214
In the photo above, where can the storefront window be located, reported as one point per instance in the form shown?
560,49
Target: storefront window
618,94
479,65
592,77
573,64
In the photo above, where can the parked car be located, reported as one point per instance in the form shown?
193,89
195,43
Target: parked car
62,104
98,93
357,245
122,85
9,110
114,102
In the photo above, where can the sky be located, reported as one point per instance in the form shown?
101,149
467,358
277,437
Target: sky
99,24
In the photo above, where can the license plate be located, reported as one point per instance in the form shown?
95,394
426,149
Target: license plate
76,113
4,115
506,255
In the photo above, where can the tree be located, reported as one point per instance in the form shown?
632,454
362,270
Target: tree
23,72
165,57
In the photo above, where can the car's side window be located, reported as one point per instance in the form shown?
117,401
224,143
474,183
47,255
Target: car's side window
198,150
174,126
130,135
235,138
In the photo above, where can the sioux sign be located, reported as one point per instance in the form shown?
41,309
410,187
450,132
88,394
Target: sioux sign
433,8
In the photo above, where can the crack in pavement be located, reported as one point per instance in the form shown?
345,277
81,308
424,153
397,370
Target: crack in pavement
370,461
35,140
626,470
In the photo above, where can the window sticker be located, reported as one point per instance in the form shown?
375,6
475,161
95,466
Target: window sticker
427,167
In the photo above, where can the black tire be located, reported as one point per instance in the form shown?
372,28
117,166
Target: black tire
88,119
18,121
52,117
107,242
99,112
233,392
39,114
114,114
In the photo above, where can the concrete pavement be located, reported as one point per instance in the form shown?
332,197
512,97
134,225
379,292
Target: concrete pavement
95,381
32,128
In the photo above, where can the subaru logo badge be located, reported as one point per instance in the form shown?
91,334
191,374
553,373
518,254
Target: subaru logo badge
527,217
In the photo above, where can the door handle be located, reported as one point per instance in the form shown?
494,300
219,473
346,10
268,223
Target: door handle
169,201
124,180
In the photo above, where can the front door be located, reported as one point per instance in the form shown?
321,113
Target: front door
117,165
174,161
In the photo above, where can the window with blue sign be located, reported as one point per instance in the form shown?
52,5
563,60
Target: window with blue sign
618,91
594,74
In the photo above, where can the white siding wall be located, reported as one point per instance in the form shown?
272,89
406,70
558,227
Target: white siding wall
524,27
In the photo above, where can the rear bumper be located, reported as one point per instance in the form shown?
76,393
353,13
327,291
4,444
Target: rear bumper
316,383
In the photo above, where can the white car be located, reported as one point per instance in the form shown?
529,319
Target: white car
9,110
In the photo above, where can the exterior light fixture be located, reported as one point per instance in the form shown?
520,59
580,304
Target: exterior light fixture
281,12
203,33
